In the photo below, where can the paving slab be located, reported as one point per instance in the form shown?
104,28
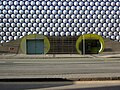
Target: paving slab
48,56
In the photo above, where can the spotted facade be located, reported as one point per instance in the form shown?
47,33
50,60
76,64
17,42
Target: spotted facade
19,18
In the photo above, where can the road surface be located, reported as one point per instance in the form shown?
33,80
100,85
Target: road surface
57,68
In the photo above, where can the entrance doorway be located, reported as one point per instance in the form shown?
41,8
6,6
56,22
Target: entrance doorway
90,46
35,46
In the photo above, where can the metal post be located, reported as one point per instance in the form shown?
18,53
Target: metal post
83,45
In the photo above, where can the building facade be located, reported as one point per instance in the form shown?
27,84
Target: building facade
60,22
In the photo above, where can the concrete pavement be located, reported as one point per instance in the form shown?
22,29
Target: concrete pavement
44,56
49,56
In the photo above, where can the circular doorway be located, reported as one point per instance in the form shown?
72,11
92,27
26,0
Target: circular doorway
90,44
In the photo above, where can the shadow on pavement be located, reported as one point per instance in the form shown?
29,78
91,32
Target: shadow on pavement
29,84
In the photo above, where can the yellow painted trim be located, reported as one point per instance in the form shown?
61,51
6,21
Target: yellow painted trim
35,36
90,36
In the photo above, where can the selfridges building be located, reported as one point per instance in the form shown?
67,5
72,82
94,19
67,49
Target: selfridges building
59,23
